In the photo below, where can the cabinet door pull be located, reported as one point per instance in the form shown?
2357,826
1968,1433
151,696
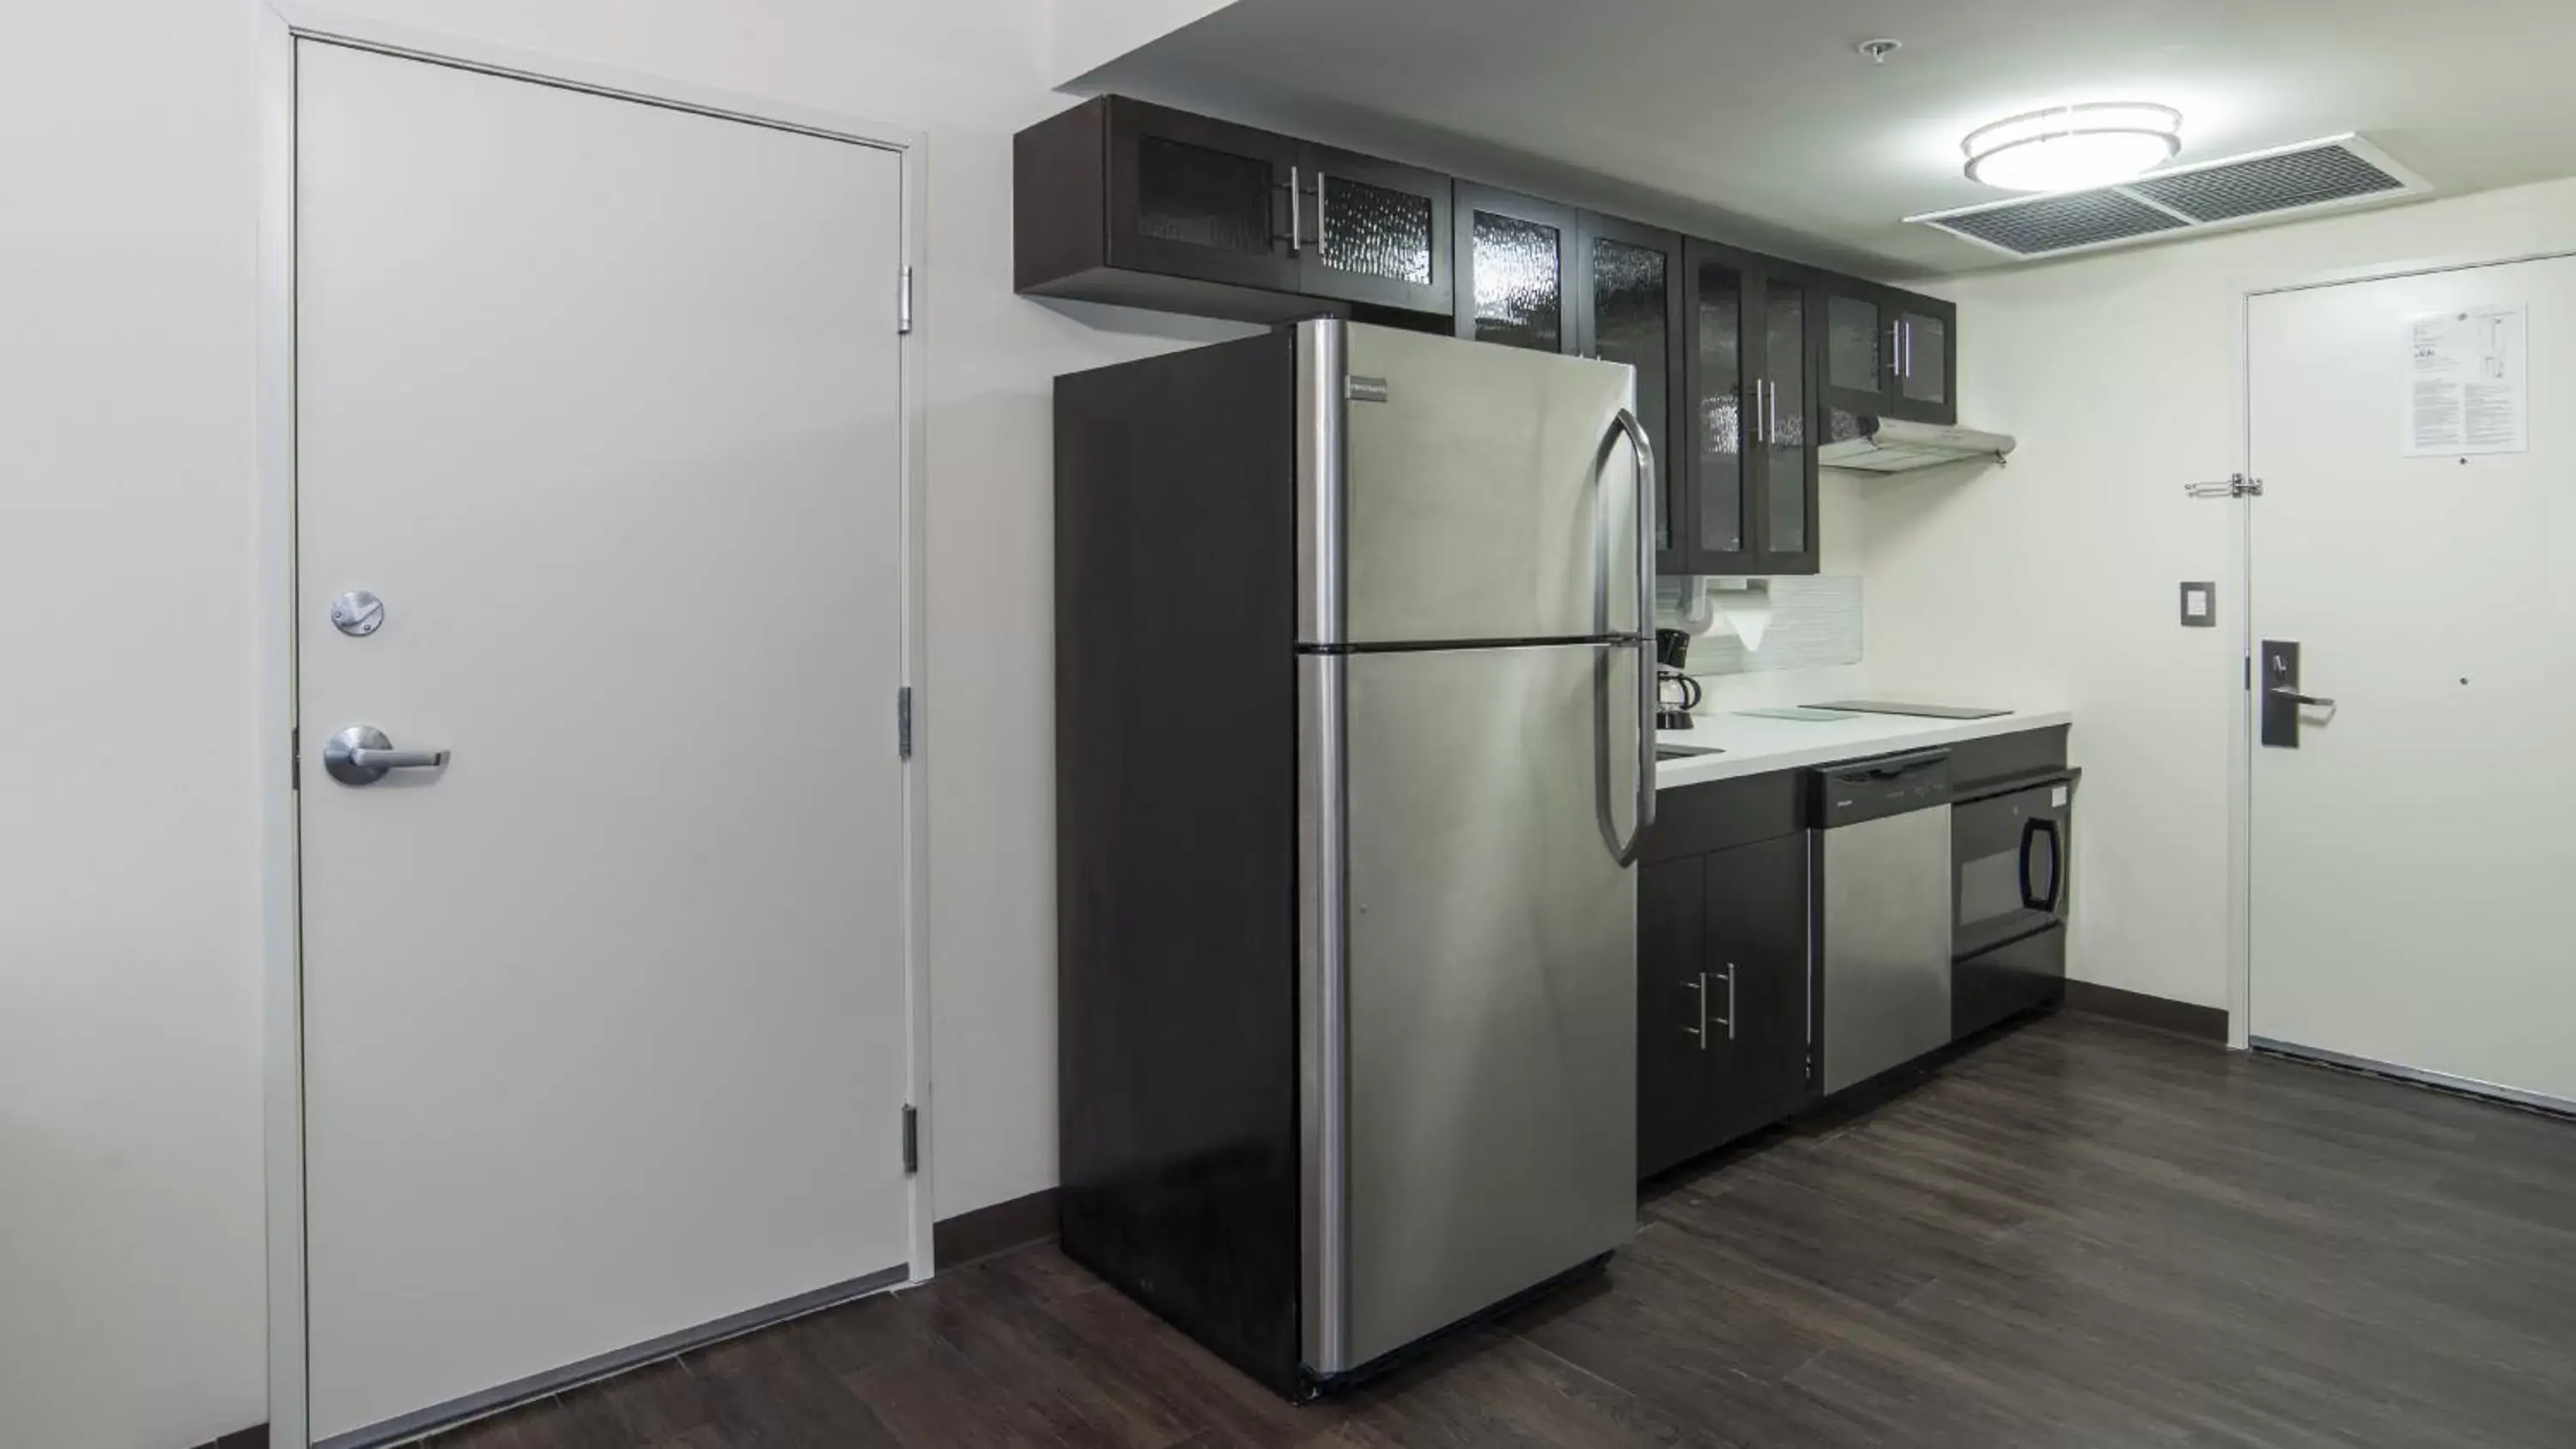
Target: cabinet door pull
1699,1032
1319,212
1296,217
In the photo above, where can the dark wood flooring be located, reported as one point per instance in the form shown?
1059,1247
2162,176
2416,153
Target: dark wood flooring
2080,1234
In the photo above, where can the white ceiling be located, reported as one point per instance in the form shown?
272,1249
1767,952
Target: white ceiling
1755,120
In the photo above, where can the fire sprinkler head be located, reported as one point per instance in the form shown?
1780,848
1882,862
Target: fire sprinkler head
1879,50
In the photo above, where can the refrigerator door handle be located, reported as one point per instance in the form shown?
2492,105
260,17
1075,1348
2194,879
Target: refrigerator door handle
1642,455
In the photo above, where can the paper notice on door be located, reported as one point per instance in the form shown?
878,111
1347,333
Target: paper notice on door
2466,383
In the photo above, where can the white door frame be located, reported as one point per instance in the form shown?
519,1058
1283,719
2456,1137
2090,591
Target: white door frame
281,23
2241,731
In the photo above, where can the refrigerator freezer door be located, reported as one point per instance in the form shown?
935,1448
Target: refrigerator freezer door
1484,493
1484,1136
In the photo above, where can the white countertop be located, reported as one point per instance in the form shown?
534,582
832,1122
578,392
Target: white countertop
1756,746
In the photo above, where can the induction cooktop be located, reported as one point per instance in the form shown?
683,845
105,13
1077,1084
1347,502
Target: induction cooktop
1925,711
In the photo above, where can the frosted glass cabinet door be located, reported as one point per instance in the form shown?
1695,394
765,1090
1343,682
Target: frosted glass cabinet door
1191,197
1371,231
1628,306
1516,269
1856,345
1751,459
1716,459
1925,382
1788,496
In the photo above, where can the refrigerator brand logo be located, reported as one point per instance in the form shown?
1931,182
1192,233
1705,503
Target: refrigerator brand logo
1366,389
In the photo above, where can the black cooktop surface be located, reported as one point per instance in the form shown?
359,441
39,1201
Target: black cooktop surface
1926,711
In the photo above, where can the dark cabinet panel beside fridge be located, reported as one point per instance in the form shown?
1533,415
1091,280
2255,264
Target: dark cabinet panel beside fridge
1354,760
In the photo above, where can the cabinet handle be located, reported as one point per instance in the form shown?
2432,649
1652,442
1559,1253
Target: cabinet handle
1895,349
1730,998
1771,419
1319,212
1296,218
1728,1021
1699,1032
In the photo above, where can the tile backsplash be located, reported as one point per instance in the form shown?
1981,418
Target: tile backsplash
1801,623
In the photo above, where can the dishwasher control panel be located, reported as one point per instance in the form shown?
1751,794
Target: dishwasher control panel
1862,790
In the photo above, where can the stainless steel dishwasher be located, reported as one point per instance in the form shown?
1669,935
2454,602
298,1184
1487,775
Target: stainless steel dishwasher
1882,871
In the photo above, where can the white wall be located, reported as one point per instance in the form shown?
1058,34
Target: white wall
131,1273
1090,33
2054,580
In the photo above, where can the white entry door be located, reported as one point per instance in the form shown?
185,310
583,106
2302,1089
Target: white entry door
2414,857
605,1029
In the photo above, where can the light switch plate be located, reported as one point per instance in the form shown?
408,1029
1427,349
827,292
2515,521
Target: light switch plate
2200,605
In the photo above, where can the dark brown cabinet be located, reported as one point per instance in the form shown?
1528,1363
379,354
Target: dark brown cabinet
1721,997
1123,202
1627,297
1516,270
1745,364
1889,353
1748,467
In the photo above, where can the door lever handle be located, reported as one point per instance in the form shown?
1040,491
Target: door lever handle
2313,701
361,755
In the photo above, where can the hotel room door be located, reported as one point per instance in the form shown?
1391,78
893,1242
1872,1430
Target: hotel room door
2414,672
599,533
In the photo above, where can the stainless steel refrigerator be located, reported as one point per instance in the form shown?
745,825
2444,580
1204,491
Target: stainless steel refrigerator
1354,752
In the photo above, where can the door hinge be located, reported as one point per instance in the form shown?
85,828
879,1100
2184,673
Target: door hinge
911,1139
2234,485
903,303
295,758
903,722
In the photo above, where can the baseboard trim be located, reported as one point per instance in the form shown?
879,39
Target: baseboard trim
441,1417
2200,1023
958,1241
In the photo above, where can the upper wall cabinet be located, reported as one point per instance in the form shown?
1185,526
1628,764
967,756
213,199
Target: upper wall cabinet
1517,267
1748,502
1375,233
1627,297
1744,362
1890,353
1123,202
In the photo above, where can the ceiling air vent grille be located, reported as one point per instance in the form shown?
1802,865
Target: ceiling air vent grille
2272,183
2057,223
2239,191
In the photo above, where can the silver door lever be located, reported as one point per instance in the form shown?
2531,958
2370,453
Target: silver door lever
361,755
2310,700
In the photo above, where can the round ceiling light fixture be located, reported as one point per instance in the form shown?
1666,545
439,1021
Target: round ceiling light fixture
2065,148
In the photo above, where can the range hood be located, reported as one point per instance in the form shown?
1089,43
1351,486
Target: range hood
1891,445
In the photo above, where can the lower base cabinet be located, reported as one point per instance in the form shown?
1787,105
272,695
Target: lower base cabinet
1722,997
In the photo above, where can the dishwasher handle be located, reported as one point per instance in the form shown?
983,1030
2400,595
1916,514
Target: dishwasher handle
1867,790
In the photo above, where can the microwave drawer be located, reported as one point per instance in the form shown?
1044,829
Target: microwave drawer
2011,856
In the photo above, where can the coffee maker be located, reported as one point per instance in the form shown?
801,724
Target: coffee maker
1676,693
